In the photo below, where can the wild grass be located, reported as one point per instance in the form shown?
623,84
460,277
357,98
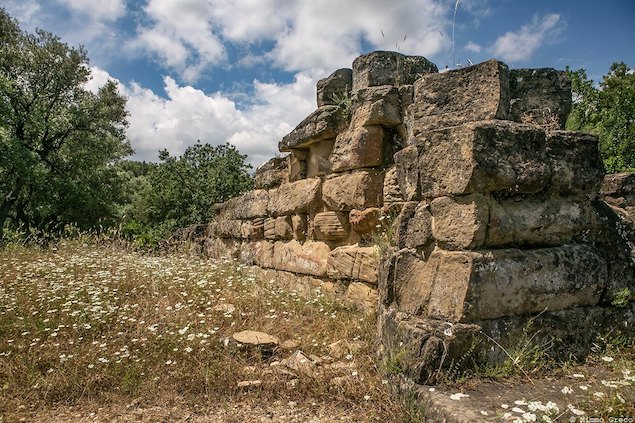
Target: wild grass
85,321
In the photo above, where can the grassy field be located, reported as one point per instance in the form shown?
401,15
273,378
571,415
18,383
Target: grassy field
82,323
101,332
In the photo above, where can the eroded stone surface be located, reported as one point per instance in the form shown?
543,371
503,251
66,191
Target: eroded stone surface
325,123
335,88
541,96
331,226
483,157
271,174
456,97
295,197
309,258
376,106
354,262
358,148
389,68
356,190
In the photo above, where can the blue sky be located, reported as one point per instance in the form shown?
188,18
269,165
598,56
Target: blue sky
244,71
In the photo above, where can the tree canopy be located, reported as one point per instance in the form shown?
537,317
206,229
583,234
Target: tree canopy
57,139
609,112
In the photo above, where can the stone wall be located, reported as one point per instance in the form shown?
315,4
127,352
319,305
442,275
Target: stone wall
453,204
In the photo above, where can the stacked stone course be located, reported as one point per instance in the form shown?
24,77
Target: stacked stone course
498,221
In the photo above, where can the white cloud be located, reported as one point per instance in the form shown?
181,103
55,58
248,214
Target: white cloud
192,36
520,45
102,10
473,47
182,35
188,114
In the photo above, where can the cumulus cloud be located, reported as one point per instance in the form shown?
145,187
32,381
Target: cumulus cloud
520,45
181,35
307,36
188,114
102,10
473,47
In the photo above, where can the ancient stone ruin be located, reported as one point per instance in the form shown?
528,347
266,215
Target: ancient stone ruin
453,205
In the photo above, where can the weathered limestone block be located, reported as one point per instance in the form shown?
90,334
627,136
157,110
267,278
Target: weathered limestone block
317,162
222,247
471,286
323,124
413,280
336,86
407,165
365,221
618,189
295,197
354,263
419,230
392,192
269,228
490,156
615,241
299,226
229,228
251,231
376,106
400,225
297,168
251,204
363,295
355,190
258,253
358,148
540,95
331,226
283,228
271,174
460,223
542,220
425,345
309,258
479,92
389,68
576,162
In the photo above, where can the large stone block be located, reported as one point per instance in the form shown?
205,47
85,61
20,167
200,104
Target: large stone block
269,227
229,228
317,162
618,189
258,253
251,231
471,286
283,228
355,190
407,165
412,281
297,168
460,223
299,226
358,148
323,124
419,230
389,68
295,197
354,263
362,295
335,87
392,192
482,157
251,204
452,98
541,96
541,221
376,106
575,161
331,226
309,258
272,173
365,221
